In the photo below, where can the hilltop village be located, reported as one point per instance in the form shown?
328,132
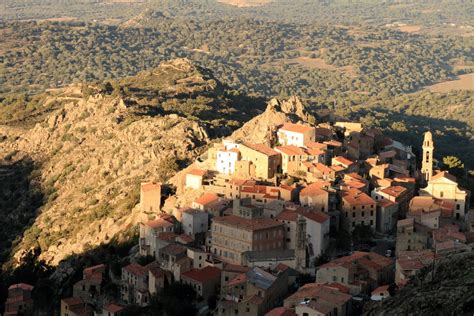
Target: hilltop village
312,220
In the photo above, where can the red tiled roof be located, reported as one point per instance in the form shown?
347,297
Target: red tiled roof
364,259
385,203
262,148
281,311
296,128
198,172
292,150
159,222
23,286
235,268
356,197
292,215
394,191
313,189
238,279
247,224
70,301
207,198
203,275
343,160
114,308
380,289
136,269
444,174
167,236
323,131
150,186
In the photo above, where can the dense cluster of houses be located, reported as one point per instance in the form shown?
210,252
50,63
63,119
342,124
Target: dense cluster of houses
264,214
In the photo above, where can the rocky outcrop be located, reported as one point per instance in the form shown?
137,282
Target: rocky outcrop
449,291
262,127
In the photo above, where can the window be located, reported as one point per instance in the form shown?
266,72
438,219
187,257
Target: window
441,194
288,229
371,213
353,207
353,214
363,213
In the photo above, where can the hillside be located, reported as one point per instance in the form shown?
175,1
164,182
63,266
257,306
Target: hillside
81,152
450,292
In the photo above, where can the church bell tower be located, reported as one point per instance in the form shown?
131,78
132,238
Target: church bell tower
427,159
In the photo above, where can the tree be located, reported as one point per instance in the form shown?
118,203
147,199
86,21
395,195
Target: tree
454,165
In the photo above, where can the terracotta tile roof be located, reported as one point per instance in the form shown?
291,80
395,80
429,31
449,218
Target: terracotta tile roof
286,187
380,289
364,259
173,249
448,232
185,239
198,172
296,128
415,260
70,301
207,198
444,174
404,179
322,168
155,270
356,197
406,222
292,215
354,184
247,224
167,236
136,269
235,268
262,148
354,176
316,145
342,160
427,204
150,186
287,215
23,286
281,311
159,222
291,150
114,308
394,191
333,143
203,275
317,216
320,291
386,203
341,287
313,189
238,279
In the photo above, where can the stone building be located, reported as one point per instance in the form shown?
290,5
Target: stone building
357,209
19,301
150,197
255,292
258,161
233,235
361,271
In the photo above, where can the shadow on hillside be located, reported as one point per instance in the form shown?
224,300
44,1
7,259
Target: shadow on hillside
20,199
451,137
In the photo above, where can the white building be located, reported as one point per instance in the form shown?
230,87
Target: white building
195,179
226,159
317,230
296,134
195,221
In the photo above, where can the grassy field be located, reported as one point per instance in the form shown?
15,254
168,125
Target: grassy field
465,82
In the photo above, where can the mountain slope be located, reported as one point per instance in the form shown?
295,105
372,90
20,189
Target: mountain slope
93,144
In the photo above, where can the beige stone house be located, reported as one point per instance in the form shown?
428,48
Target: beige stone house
258,161
150,197
357,209
232,235
361,271
255,292
205,281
